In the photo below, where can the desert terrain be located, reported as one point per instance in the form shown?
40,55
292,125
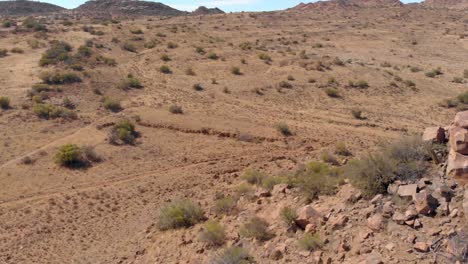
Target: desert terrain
215,96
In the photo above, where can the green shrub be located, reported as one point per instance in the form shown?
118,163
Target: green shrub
458,80
171,45
212,56
8,23
264,57
415,69
329,158
285,84
310,242
175,109
233,255
129,82
342,149
289,216
225,205
213,234
58,52
200,50
32,23
463,98
253,177
129,47
136,31
4,102
235,70
123,132
69,155
59,77
49,111
357,113
284,129
434,73
3,53
332,92
165,57
404,160
112,105
165,69
178,214
256,228
359,84
17,50
409,83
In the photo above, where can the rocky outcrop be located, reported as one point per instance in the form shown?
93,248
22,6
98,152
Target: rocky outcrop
128,7
26,8
457,163
202,10
450,4
344,4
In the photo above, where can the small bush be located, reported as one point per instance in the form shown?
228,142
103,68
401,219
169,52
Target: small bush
310,242
69,155
233,255
212,56
165,58
128,83
236,70
3,53
409,83
123,132
264,57
178,214
285,84
17,50
198,87
359,84
32,23
253,177
136,31
4,102
463,98
58,52
289,216
59,77
458,80
165,69
256,228
112,105
225,205
49,111
200,50
342,149
129,47
213,234
171,45
190,72
332,92
284,129
415,69
291,78
175,109
434,73
329,158
357,114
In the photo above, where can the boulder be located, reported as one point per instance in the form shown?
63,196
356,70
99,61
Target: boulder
375,222
457,166
262,192
459,140
408,190
387,209
399,218
461,119
279,189
377,199
307,215
421,247
465,203
425,203
339,222
434,135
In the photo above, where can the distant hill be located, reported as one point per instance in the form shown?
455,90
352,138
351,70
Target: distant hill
202,10
450,4
331,4
25,8
128,7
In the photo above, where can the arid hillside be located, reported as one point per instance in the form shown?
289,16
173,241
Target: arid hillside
24,8
111,129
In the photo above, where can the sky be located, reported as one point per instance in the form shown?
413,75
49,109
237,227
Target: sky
226,5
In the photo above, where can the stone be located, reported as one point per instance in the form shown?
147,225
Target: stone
417,224
411,238
392,188
279,189
454,213
399,218
425,203
311,228
434,135
364,235
411,213
317,256
408,190
307,215
278,252
387,209
459,140
374,258
421,247
339,222
390,246
445,192
377,199
457,166
461,119
262,192
375,222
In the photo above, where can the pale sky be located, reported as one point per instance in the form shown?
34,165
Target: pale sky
226,5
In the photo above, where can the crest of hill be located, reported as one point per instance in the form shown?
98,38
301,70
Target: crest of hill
24,8
202,10
450,4
128,7
335,4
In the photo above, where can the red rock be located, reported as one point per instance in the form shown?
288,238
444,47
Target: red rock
421,247
399,218
425,203
339,222
434,135
461,119
408,190
411,213
307,215
457,166
375,222
459,140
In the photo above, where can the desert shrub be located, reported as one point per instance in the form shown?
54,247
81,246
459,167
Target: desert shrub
200,50
213,233
8,23
232,255
246,46
107,61
289,216
171,45
69,155
311,80
165,57
212,56
359,84
253,176
198,87
269,182
264,57
310,242
405,159
327,157
317,45
83,52
150,44
244,189
415,69
32,23
235,70
123,132
90,155
285,84
112,104
129,47
4,102
67,103
58,52
175,109
434,73
357,113
136,31
190,72
463,98
342,149
291,78
338,61
129,82
332,92
17,50
409,83
178,214
49,111
256,228
165,69
458,80
225,205
59,77
34,43
284,129
3,53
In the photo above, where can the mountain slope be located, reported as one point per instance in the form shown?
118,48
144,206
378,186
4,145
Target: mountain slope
202,10
451,4
24,8
332,4
129,7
